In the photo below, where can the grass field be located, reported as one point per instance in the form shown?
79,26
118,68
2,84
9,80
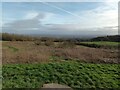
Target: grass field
73,74
104,44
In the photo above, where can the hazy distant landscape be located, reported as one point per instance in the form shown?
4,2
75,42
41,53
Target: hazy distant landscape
74,44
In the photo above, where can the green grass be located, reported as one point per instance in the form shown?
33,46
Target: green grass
73,74
14,49
105,44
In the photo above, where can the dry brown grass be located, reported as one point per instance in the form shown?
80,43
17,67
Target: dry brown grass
29,52
88,54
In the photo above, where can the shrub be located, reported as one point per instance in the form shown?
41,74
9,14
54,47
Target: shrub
38,43
66,44
49,43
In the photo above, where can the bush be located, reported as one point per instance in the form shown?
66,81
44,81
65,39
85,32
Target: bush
90,45
49,43
38,43
66,44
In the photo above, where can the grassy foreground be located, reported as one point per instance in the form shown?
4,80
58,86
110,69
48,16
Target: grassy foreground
73,74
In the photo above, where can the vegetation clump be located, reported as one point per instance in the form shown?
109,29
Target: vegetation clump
74,74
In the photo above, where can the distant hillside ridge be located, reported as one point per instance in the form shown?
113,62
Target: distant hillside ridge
112,38
17,37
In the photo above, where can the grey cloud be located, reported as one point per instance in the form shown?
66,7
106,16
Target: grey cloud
27,24
35,26
24,24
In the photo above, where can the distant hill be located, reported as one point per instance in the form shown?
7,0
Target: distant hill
16,37
113,38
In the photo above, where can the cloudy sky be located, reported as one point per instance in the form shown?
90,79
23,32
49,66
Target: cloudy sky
65,18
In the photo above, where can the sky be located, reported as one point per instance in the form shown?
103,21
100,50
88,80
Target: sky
60,18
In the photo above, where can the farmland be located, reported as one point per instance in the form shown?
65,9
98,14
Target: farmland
60,45
102,44
73,74
30,64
